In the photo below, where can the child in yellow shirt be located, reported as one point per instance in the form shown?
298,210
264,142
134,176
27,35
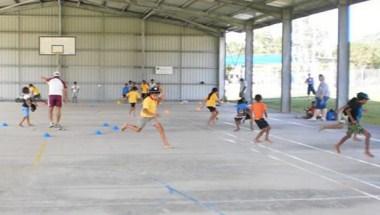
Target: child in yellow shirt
149,113
210,102
133,96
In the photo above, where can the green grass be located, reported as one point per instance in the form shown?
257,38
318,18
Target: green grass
300,103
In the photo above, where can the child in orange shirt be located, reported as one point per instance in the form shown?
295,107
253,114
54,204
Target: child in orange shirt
259,112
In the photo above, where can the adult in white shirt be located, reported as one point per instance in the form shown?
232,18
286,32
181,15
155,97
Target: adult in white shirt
243,88
57,94
321,97
75,90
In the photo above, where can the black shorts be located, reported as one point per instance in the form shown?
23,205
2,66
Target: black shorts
132,105
247,116
144,95
124,95
212,109
262,123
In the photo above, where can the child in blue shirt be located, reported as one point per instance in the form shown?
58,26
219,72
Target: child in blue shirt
242,113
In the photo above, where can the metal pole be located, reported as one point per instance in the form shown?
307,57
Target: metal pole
249,60
59,57
286,76
222,64
180,64
143,63
343,76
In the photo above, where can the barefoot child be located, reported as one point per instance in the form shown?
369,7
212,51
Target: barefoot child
210,102
133,97
26,107
352,111
259,111
243,113
148,114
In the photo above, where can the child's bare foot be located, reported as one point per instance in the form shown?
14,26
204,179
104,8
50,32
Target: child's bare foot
124,128
30,125
168,147
337,149
257,141
237,129
369,154
20,125
268,141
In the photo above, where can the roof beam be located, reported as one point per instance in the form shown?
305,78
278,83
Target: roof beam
18,4
215,7
188,3
269,10
181,21
165,8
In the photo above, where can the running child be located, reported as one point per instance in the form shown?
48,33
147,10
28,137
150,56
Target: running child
133,97
210,102
144,87
243,113
259,111
149,114
352,110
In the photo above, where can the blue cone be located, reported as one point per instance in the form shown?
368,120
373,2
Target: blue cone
46,135
115,128
106,124
98,133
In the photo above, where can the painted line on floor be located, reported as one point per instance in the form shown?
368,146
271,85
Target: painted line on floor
323,168
326,151
318,174
39,154
309,126
172,190
319,149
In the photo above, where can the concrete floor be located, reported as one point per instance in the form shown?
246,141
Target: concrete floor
210,170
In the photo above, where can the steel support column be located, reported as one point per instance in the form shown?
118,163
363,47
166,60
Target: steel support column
343,76
249,61
222,65
286,74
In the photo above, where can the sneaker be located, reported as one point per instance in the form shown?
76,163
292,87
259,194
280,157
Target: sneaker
312,119
59,126
51,125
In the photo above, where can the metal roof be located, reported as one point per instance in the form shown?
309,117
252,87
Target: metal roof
213,16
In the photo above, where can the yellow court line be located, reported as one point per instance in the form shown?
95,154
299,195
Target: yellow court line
39,154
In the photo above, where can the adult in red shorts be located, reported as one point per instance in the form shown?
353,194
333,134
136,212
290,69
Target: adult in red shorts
57,95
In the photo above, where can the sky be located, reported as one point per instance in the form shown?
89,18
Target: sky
363,18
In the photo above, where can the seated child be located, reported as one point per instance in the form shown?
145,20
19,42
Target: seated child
310,111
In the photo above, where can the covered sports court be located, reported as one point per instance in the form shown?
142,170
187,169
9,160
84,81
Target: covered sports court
93,168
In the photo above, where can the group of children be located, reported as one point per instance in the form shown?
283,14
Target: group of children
352,112
257,112
152,95
130,92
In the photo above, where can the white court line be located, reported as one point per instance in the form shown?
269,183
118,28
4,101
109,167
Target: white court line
309,126
326,151
229,140
321,150
317,174
322,167
254,150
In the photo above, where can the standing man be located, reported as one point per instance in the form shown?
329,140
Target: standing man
152,83
310,85
75,91
57,94
243,88
322,96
